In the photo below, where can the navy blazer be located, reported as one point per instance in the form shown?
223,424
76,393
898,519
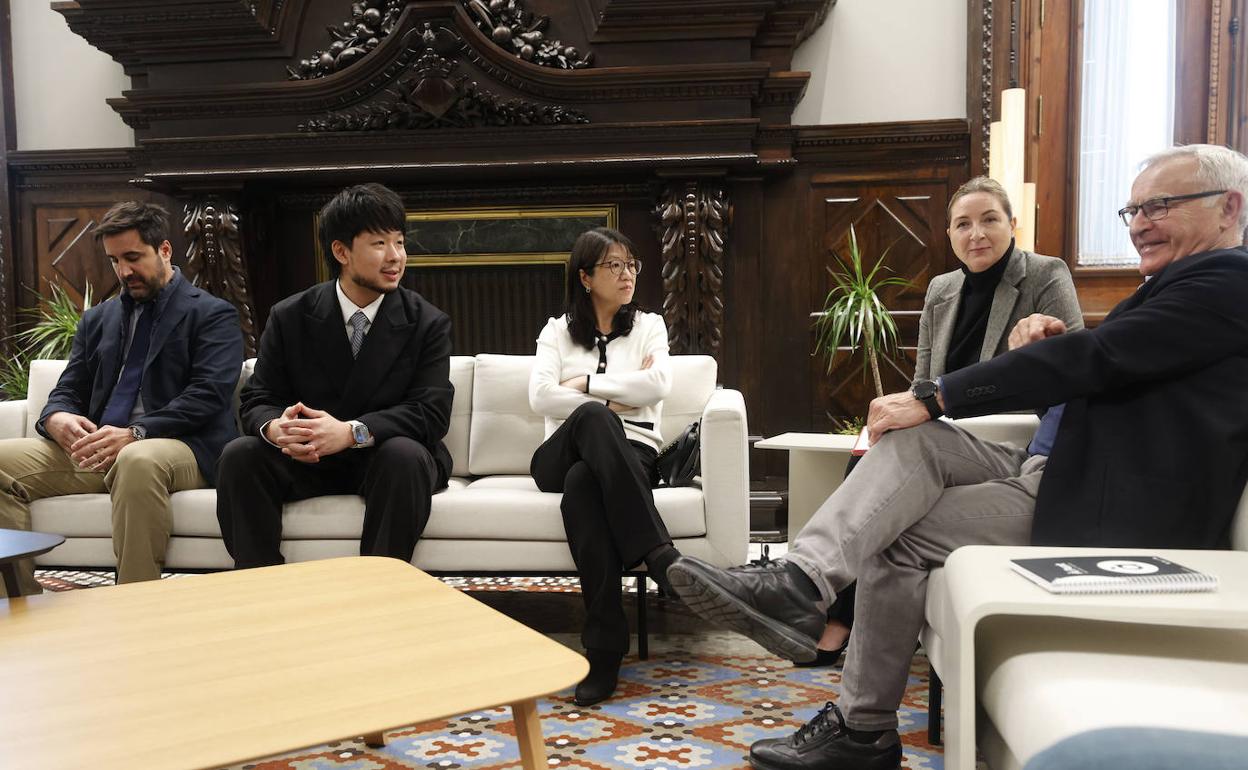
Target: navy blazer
1152,450
189,376
398,386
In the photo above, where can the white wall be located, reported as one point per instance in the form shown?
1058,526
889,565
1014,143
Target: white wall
60,83
884,60
872,60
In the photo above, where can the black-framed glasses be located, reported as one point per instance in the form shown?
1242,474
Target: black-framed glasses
1157,208
618,266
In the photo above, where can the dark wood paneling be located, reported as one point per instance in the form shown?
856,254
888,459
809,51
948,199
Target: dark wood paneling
66,253
901,222
493,309
58,197
893,182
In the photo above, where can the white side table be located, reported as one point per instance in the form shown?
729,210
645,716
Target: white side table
817,463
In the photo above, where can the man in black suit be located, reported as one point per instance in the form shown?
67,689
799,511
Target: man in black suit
351,394
1144,444
143,407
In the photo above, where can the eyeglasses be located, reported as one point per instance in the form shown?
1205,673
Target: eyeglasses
1157,208
616,266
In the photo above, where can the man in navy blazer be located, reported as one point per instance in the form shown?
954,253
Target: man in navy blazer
351,394
142,409
1144,444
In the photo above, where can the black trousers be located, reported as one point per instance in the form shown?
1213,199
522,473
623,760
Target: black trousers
608,512
397,478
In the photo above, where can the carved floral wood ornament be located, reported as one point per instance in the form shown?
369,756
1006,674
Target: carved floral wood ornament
427,97
694,218
506,22
214,258
515,29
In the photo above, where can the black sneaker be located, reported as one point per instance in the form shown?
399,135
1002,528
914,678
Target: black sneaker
824,743
772,602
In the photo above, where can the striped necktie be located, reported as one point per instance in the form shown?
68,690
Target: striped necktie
358,322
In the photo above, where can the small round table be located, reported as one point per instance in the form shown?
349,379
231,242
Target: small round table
18,544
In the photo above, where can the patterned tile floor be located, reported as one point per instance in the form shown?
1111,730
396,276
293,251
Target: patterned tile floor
679,709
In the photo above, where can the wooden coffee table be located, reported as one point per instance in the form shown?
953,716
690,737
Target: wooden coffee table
213,670
18,544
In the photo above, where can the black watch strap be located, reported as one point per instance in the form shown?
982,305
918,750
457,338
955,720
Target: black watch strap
925,391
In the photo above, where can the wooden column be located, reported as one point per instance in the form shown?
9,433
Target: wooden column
693,219
214,257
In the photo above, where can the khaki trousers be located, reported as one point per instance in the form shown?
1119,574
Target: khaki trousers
915,497
139,483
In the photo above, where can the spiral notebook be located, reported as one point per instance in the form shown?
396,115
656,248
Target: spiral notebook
1113,575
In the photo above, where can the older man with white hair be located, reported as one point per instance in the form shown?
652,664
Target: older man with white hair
1144,444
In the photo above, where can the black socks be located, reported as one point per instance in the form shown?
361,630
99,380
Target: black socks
657,562
604,675
864,736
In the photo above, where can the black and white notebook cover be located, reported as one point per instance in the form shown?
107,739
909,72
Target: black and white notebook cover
1112,574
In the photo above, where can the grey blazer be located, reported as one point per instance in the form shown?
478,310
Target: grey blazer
1032,283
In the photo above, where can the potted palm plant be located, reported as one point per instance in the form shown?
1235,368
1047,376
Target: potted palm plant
853,314
50,335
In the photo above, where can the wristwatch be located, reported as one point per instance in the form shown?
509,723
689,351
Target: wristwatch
925,391
138,431
360,434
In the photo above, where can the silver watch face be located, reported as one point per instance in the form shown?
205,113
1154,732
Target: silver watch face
359,432
138,432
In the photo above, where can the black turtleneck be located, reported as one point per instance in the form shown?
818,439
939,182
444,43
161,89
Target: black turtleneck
974,307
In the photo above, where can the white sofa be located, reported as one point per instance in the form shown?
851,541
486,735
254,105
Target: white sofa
1038,680
491,519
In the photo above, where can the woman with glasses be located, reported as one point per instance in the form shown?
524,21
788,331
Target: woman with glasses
600,378
968,314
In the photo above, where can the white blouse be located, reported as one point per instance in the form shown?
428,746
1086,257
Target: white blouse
621,381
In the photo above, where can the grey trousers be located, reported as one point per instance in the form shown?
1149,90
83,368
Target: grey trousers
915,497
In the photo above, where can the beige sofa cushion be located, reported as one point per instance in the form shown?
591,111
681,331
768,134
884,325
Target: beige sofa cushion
693,382
43,378
462,368
494,508
505,431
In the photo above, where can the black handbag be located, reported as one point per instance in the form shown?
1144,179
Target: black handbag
681,459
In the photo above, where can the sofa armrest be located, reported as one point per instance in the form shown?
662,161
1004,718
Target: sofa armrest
726,477
13,419
1013,429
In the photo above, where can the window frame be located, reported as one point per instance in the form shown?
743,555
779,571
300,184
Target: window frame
1038,44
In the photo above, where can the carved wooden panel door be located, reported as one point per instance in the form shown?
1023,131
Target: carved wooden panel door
66,254
904,222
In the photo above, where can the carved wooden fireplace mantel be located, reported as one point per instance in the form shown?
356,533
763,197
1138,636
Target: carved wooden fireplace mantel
240,108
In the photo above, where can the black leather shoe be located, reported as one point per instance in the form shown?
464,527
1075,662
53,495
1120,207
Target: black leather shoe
824,743
772,602
604,675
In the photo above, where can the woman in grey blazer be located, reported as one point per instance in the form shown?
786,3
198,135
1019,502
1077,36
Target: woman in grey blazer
968,314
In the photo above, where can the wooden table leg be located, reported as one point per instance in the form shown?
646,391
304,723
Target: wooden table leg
529,735
10,579
375,740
